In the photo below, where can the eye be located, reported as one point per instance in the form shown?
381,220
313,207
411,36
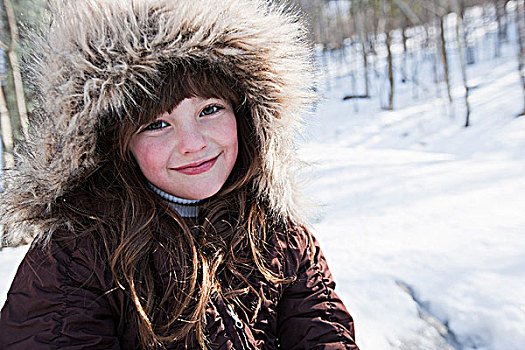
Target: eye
156,125
211,109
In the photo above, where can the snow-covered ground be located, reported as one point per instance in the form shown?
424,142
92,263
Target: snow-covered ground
9,260
421,219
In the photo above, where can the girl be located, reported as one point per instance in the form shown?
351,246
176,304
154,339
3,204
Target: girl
157,184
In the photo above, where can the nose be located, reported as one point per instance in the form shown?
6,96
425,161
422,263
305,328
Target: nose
190,139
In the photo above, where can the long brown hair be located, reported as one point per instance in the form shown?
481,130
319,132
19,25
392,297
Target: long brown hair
167,265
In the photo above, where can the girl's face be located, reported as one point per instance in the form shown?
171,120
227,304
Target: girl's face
191,151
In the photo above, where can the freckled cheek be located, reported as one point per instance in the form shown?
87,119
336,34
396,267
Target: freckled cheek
235,145
228,135
149,155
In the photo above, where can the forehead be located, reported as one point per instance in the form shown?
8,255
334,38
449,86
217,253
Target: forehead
178,83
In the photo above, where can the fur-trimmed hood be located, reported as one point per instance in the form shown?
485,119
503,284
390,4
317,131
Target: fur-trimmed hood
97,56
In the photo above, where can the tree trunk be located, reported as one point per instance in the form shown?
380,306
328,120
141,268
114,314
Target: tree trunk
502,20
388,43
365,68
358,12
415,77
499,6
17,76
520,23
469,49
339,40
6,159
6,130
364,47
384,26
461,47
444,55
323,40
431,39
405,51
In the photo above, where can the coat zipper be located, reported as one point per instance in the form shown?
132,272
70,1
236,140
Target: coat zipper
240,326
238,322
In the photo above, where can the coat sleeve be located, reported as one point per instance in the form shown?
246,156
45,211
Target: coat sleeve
55,302
310,314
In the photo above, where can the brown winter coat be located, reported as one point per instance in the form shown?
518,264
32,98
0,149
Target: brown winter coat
94,62
64,298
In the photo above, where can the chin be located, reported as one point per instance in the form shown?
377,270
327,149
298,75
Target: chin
202,194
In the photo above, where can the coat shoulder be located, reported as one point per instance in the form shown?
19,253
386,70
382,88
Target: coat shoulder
61,294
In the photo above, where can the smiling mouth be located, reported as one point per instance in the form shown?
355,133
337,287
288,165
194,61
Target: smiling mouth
197,167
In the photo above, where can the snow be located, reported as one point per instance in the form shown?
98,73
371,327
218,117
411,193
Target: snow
411,197
10,258
421,219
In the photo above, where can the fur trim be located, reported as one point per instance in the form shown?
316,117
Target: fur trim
97,55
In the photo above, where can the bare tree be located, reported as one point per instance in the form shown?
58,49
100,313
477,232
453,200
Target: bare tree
458,8
358,10
404,39
385,27
520,24
444,55
20,125
6,140
6,130
499,6
441,10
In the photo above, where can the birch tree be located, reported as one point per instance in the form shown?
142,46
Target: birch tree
14,103
20,123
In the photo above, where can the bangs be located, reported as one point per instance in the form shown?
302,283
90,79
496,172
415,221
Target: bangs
181,82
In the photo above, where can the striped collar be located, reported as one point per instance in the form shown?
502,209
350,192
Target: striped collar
187,208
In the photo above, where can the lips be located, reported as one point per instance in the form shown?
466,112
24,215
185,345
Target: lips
197,168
